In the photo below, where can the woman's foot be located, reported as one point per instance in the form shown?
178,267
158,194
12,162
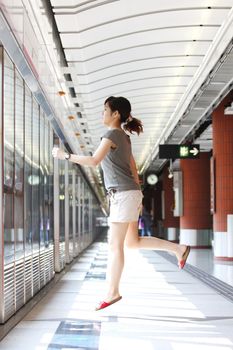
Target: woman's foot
183,255
104,304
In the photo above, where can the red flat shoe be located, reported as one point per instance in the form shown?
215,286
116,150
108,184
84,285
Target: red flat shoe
104,304
182,262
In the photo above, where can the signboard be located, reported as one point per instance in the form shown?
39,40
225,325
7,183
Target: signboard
179,151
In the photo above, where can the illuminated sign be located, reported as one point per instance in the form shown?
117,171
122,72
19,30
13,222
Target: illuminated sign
179,151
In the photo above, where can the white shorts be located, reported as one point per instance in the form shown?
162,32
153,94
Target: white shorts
125,206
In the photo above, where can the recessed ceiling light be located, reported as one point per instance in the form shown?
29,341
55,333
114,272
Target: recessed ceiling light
229,110
61,93
217,83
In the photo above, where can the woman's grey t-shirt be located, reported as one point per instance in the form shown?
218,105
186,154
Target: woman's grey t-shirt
116,164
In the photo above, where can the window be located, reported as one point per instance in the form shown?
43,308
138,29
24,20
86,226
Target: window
28,173
8,200
36,181
19,167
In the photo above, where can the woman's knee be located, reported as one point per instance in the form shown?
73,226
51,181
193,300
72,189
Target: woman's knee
132,243
132,238
115,245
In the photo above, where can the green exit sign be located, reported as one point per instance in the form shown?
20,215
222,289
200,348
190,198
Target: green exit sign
179,151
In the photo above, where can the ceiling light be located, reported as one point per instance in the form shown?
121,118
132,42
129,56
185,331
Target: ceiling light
170,175
61,93
217,83
198,108
229,110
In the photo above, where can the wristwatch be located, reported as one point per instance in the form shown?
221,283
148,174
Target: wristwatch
67,155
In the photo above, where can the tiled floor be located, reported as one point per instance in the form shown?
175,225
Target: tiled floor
204,260
162,308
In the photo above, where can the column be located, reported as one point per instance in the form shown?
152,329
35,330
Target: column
170,222
223,161
196,222
157,208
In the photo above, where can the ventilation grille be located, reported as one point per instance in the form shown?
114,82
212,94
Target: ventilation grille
49,266
28,278
25,277
9,291
19,283
42,269
36,273
46,266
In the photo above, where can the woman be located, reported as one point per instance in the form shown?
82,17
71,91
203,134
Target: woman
122,184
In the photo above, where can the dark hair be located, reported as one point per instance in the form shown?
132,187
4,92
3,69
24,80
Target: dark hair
123,106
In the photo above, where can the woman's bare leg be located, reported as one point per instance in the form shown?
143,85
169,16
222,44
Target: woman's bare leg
116,258
132,240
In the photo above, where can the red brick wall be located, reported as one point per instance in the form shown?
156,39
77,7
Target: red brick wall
196,193
223,155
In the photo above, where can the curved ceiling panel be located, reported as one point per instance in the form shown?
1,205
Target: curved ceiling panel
151,52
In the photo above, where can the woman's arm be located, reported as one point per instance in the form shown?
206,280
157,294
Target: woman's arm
94,160
134,169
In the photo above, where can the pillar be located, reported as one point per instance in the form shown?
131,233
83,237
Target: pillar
157,206
223,161
196,222
170,222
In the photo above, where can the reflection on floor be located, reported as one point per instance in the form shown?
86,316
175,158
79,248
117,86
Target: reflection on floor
204,260
66,335
162,308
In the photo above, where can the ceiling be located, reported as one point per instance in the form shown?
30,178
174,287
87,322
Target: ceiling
158,54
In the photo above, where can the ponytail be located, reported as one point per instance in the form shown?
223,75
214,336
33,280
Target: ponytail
133,125
123,106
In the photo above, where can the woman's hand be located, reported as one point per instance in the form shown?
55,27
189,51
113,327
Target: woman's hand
58,153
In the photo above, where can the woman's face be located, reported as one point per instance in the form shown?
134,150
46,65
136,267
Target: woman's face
107,115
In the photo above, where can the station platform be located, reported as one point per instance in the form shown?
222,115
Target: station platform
162,307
